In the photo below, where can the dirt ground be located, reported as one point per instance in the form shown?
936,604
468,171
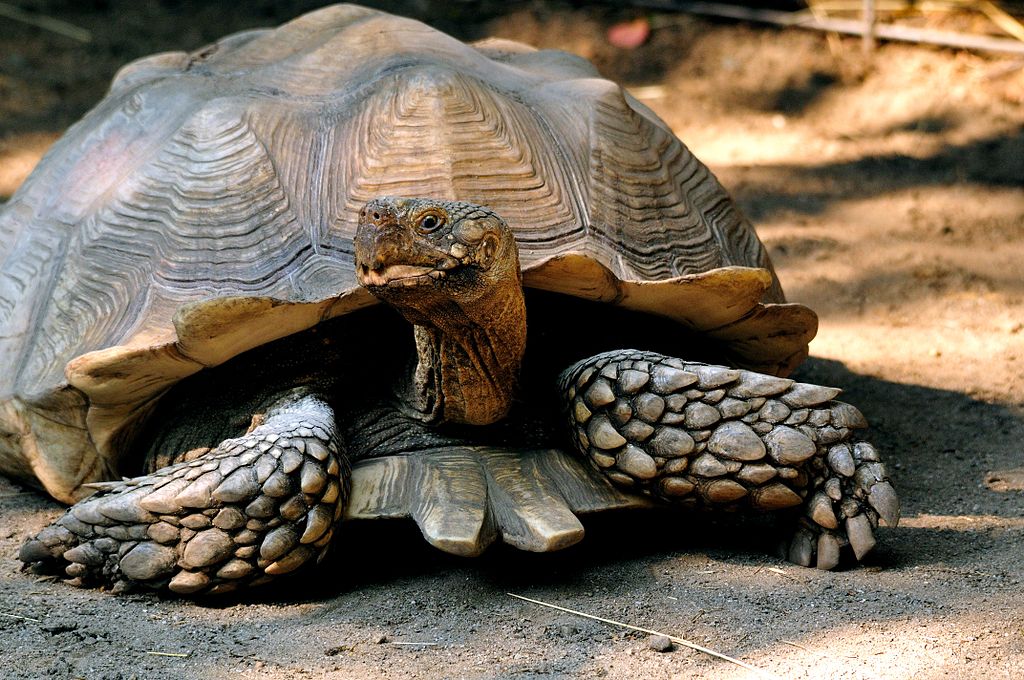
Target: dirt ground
889,191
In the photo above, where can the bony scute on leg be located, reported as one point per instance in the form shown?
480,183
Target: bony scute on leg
714,437
253,508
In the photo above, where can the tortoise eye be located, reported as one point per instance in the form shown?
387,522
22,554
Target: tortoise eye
430,222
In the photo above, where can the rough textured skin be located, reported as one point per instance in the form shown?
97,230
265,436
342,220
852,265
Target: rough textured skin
253,508
207,206
710,437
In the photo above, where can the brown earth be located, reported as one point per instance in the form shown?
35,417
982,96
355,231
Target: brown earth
889,192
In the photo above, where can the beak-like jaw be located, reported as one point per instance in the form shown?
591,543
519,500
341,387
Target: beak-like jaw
391,253
415,252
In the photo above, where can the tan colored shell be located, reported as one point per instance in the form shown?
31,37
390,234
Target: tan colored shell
207,205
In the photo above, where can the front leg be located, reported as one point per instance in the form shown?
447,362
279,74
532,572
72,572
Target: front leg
253,508
711,437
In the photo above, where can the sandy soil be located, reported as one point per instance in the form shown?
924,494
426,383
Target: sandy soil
889,192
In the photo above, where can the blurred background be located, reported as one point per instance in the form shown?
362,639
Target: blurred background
57,57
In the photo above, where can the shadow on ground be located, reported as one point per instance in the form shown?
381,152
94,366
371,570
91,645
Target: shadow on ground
767,190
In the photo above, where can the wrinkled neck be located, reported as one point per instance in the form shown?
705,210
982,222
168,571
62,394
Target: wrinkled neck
469,358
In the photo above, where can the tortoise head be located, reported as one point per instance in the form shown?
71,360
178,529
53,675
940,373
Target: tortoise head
452,270
422,255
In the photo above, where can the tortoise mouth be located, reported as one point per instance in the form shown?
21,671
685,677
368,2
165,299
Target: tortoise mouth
399,275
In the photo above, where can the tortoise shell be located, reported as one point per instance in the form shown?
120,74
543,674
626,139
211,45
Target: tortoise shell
207,206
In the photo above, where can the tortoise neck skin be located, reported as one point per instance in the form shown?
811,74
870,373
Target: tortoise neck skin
452,270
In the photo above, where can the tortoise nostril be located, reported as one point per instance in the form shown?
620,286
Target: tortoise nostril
376,216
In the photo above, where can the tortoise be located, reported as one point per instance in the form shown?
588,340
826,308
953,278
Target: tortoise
189,295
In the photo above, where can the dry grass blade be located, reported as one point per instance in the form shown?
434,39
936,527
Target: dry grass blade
46,23
805,19
649,92
784,574
678,640
416,644
23,618
798,646
176,655
819,654
1000,18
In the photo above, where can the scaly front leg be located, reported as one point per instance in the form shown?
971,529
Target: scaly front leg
251,509
712,437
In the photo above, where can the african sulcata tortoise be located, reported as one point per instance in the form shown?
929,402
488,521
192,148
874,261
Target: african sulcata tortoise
188,293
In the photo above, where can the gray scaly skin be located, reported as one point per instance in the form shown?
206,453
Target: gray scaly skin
711,437
253,508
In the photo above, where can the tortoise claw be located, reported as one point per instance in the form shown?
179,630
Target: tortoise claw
882,498
862,538
828,552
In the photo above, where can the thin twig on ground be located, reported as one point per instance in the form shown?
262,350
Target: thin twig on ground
678,640
798,646
23,618
784,574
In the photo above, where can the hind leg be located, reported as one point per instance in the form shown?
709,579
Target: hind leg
711,437
252,508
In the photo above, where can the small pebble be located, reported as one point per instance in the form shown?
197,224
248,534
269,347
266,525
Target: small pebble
660,643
